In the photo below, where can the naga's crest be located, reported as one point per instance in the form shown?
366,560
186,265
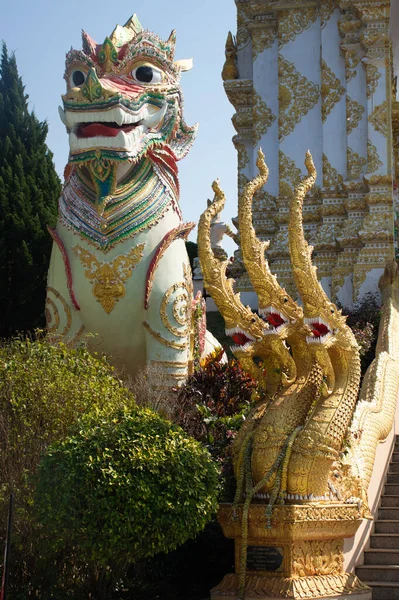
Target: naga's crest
123,97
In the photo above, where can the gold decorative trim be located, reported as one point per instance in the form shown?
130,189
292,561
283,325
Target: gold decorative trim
51,313
293,22
318,557
352,59
379,180
326,10
243,18
242,155
297,96
378,12
162,340
355,164
263,203
344,265
290,174
372,77
243,118
180,310
299,587
108,278
354,113
379,118
52,307
239,92
373,160
331,177
331,90
262,39
379,38
369,258
170,364
73,341
377,227
180,232
262,117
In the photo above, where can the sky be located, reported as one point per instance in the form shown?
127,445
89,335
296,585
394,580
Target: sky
40,32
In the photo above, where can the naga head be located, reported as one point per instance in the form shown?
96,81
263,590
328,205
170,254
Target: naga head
123,97
276,307
241,324
326,323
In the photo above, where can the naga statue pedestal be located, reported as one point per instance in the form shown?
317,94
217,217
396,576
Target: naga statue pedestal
300,556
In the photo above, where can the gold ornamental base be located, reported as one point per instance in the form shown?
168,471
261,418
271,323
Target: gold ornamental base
300,556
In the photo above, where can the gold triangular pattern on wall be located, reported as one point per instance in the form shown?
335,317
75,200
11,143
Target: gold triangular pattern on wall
289,174
355,164
293,22
296,94
331,90
262,117
379,118
354,113
331,177
373,160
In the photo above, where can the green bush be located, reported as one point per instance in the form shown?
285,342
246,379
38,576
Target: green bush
44,389
126,486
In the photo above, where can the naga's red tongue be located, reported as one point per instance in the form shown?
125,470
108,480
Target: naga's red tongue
274,319
319,329
101,129
239,339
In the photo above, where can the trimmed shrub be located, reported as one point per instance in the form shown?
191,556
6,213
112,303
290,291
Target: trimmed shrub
44,389
126,486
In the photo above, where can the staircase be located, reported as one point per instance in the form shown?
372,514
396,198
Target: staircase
381,561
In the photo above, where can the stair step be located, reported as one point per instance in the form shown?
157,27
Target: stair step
384,540
394,466
387,500
388,513
384,590
378,573
395,457
381,556
387,526
392,477
392,489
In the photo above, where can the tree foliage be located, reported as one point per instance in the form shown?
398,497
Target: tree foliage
29,189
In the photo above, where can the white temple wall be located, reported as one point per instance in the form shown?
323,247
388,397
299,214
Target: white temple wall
320,78
265,82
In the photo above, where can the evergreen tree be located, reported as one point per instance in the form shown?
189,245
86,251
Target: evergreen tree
29,190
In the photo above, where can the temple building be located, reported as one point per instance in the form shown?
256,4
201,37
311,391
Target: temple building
320,75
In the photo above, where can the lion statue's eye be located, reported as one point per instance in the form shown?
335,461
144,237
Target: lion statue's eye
147,74
77,78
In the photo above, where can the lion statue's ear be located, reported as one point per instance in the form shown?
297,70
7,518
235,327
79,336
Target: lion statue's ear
185,64
184,139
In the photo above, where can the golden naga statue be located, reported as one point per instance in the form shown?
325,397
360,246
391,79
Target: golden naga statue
230,70
306,357
288,456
